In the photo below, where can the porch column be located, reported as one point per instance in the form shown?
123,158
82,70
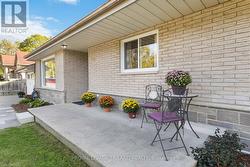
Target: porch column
6,71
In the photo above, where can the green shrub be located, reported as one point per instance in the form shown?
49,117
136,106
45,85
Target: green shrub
25,101
34,103
221,150
38,103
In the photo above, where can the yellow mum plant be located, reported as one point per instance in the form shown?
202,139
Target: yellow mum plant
130,105
88,97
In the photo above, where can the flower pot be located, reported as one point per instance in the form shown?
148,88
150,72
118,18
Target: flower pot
177,90
132,115
106,109
88,104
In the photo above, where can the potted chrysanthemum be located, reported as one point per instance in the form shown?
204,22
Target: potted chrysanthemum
178,80
130,106
106,102
88,98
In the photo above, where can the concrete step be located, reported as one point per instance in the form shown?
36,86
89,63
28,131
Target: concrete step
9,124
24,117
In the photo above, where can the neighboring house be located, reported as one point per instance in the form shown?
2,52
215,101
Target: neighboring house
14,65
8,64
24,69
126,44
28,73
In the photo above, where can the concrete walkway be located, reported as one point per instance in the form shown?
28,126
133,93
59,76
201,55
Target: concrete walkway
7,114
111,139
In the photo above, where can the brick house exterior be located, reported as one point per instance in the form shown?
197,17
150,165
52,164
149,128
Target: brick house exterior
72,77
212,44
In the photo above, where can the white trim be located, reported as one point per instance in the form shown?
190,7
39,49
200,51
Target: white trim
116,9
42,72
49,57
139,70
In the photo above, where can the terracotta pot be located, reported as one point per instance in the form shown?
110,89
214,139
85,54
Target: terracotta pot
88,104
177,90
132,115
106,109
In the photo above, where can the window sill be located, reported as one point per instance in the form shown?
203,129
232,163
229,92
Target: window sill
138,72
47,88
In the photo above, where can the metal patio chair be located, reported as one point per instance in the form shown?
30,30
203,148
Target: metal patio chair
167,117
153,95
173,104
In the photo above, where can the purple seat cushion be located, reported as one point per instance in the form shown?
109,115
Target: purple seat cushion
151,105
165,117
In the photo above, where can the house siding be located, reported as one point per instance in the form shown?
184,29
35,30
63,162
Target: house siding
212,44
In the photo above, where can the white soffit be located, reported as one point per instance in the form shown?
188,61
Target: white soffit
136,16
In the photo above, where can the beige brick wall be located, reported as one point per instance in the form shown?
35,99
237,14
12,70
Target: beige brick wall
71,77
59,59
212,44
75,74
52,96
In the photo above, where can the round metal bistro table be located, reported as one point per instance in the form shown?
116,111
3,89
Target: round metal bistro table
184,106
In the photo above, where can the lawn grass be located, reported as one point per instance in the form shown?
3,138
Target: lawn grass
32,146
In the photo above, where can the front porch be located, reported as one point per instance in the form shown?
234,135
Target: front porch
112,139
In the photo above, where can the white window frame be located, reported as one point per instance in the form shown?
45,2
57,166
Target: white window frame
140,70
42,72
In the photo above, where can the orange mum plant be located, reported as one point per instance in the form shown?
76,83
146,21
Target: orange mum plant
106,101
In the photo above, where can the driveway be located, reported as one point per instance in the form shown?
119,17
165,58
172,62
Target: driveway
7,114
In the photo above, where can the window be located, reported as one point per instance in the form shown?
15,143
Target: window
49,73
140,53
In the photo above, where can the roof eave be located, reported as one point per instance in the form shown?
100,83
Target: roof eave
92,16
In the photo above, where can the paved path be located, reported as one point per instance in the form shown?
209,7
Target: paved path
7,114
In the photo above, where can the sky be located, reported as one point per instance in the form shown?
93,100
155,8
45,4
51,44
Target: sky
50,17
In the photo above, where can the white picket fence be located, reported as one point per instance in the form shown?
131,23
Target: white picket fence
12,87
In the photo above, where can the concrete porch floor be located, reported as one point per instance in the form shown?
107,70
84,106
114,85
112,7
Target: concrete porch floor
112,139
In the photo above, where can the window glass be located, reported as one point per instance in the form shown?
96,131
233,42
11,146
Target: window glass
141,53
50,73
131,54
148,51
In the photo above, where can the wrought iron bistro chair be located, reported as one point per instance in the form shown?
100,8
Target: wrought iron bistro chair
153,95
169,115
173,104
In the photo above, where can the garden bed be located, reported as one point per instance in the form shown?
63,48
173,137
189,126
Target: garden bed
246,159
19,108
27,103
